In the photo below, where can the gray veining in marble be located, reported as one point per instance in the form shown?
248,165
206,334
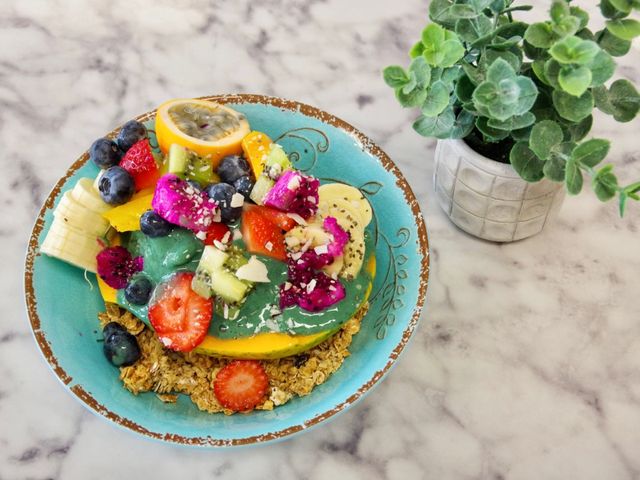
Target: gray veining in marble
527,362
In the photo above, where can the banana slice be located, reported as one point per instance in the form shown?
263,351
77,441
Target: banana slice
332,191
85,194
80,217
327,207
71,245
354,250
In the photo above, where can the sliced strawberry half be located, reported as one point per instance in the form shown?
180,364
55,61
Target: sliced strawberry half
241,385
261,236
180,316
281,219
141,164
216,231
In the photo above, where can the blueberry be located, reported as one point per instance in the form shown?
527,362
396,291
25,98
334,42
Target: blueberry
138,290
153,225
243,185
131,132
121,349
222,194
233,167
116,186
112,327
105,153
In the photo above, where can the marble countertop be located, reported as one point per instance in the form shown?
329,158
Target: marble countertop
527,361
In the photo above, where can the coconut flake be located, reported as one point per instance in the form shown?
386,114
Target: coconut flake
268,246
299,220
237,234
254,271
321,249
201,235
225,238
294,183
311,285
219,245
237,200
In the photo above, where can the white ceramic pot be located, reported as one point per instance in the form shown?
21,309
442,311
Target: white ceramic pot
488,199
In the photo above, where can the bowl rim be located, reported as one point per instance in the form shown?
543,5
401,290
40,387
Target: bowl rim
93,405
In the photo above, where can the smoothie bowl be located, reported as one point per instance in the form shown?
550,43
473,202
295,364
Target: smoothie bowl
226,270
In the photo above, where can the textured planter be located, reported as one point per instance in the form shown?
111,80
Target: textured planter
487,198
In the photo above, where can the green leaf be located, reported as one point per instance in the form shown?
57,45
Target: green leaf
526,163
471,29
574,79
591,152
450,75
581,15
540,35
573,177
534,53
422,71
602,68
464,89
500,70
623,6
500,43
559,11
573,108
463,125
622,203
578,131
625,100
522,134
439,126
552,72
554,168
574,50
416,50
411,85
605,183
395,76
609,11
544,136
568,26
462,11
538,68
601,98
513,123
585,34
475,74
613,45
414,98
437,100
626,28
490,56
490,134
432,40
528,95
452,51
439,12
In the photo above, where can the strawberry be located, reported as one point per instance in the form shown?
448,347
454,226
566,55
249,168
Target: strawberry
216,231
241,385
139,162
281,219
261,236
180,316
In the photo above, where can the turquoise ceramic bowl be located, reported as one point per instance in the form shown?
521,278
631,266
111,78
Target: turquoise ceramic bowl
62,308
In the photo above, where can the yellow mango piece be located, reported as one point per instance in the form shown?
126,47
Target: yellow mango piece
126,217
255,147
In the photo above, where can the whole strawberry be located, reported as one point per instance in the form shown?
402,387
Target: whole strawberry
141,164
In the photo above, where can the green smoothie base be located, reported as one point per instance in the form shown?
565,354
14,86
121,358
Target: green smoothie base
181,251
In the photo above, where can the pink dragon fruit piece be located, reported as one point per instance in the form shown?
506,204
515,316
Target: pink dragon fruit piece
116,266
294,193
340,237
320,293
179,203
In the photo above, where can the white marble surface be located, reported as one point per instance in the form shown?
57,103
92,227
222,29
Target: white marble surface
527,362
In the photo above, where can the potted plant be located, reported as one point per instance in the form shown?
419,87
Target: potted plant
511,104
